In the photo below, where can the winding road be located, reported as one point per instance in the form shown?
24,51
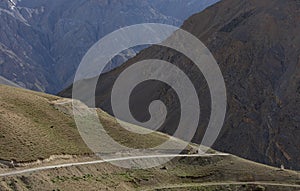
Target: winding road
36,169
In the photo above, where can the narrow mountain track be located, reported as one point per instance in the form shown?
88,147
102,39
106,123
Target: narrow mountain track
37,169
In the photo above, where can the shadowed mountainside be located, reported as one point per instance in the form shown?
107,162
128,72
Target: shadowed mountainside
256,45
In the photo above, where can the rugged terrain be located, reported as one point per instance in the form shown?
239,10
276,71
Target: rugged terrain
37,131
43,41
256,45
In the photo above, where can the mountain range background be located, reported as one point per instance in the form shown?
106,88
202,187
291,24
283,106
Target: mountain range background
42,42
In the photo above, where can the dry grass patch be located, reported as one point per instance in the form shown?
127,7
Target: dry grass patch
31,128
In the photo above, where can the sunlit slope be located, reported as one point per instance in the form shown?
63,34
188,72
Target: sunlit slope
36,125
31,128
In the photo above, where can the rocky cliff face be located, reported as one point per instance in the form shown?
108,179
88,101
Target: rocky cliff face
256,44
24,59
257,47
43,41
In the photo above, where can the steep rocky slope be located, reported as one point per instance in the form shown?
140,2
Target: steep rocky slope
43,41
257,47
23,57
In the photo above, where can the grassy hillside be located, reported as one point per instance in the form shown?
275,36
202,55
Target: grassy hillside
36,125
32,128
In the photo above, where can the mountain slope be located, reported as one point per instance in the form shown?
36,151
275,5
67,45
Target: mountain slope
37,126
7,82
257,48
256,45
37,130
24,59
32,128
43,41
